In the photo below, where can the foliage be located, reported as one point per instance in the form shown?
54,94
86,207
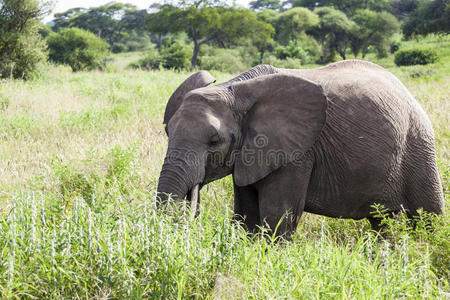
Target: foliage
429,17
306,50
78,48
113,22
402,8
334,32
415,56
293,23
265,4
44,30
373,29
172,56
175,56
119,47
348,7
224,60
224,26
394,47
162,21
268,16
288,63
21,46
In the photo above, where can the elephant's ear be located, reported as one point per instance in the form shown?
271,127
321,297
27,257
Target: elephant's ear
197,80
283,116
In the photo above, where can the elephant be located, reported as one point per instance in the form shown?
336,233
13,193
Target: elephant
332,140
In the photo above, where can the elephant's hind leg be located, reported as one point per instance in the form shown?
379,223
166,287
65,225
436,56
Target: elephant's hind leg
423,190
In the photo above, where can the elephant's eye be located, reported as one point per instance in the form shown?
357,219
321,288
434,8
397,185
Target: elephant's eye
214,141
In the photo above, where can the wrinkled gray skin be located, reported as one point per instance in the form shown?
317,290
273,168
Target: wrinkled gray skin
351,133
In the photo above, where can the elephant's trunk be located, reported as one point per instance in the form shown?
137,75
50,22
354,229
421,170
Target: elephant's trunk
171,182
179,180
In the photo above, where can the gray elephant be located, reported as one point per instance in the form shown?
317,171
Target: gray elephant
331,141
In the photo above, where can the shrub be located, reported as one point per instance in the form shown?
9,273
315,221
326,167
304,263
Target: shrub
78,48
288,63
416,56
176,56
224,60
153,60
119,47
21,46
173,56
394,47
306,50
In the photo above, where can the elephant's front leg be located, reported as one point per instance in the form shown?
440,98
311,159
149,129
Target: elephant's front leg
246,207
282,198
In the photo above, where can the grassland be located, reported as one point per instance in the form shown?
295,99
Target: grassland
80,155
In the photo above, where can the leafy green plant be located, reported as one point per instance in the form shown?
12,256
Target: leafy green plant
4,102
119,47
224,60
78,48
175,55
74,183
289,63
21,46
121,172
415,56
172,56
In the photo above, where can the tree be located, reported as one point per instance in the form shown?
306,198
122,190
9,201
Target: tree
293,23
105,21
402,8
265,4
21,46
349,7
162,21
268,16
334,31
202,25
429,17
223,26
373,29
78,48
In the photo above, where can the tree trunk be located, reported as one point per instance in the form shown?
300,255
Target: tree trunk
342,53
159,42
194,55
261,56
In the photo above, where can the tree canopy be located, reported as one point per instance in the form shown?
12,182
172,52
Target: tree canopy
113,22
292,23
21,46
429,17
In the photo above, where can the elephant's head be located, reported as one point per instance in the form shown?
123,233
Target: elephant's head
248,128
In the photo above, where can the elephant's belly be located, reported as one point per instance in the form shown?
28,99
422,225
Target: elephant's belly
352,199
339,208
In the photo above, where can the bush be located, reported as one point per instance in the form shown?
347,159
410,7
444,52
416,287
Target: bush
78,48
306,50
153,60
173,56
224,60
176,56
21,46
394,47
288,63
416,56
119,47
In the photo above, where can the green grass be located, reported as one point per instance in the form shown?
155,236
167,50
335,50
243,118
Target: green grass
80,155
